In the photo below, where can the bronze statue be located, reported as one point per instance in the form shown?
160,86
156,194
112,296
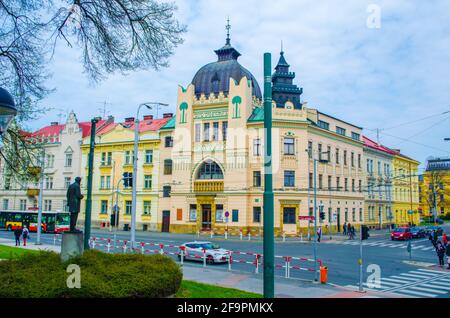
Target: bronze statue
74,198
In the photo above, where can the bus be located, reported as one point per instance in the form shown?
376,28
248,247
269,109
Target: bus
52,222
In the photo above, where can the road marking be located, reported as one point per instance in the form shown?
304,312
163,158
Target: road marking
429,270
424,273
435,286
415,275
407,278
406,291
394,280
428,290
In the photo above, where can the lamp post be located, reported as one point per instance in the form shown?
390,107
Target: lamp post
7,110
135,159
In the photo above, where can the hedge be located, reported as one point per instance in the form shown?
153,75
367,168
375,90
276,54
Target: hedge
43,275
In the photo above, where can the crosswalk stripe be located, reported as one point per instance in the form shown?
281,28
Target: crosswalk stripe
424,273
388,283
373,287
414,275
427,289
395,280
429,270
407,278
432,285
436,282
412,292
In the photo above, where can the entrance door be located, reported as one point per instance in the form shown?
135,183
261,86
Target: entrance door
206,217
289,221
165,221
338,220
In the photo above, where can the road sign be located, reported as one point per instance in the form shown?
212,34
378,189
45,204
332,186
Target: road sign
226,219
410,212
306,217
227,214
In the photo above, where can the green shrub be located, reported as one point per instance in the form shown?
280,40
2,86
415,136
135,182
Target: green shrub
102,275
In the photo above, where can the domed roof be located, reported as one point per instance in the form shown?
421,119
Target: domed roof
215,77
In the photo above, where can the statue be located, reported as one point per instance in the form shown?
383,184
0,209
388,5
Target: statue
74,198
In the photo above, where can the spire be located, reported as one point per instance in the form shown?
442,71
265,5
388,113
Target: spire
282,61
228,27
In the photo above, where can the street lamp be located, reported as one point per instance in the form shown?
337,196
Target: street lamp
7,109
135,159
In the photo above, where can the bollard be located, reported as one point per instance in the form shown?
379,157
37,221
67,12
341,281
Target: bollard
257,263
284,236
249,235
212,233
198,234
108,246
161,251
323,274
226,234
93,242
301,237
230,260
114,239
142,248
54,239
182,248
125,246
287,270
204,257
240,234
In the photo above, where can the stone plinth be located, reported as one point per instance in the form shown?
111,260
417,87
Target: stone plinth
72,245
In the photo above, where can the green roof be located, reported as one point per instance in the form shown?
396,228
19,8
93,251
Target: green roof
257,115
170,124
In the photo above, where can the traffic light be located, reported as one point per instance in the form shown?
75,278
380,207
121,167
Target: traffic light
364,232
322,215
114,219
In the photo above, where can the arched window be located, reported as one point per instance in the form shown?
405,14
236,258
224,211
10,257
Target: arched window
209,170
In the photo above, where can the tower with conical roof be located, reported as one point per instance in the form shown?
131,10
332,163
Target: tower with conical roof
283,89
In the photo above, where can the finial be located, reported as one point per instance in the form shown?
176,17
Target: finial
228,27
281,52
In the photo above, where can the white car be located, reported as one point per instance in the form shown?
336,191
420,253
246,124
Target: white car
197,250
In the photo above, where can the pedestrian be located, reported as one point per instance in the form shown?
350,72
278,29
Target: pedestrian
440,250
17,234
432,238
345,228
25,235
353,232
435,238
444,239
319,233
447,252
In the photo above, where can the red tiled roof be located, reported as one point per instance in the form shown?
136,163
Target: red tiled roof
144,125
56,129
372,144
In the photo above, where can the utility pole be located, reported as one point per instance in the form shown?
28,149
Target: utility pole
41,190
87,220
268,219
315,219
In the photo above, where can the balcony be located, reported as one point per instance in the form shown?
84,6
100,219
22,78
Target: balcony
208,186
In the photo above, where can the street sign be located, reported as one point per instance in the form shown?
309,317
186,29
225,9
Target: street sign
226,219
306,217
227,214
410,212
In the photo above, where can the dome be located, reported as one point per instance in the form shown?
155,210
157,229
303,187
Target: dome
215,77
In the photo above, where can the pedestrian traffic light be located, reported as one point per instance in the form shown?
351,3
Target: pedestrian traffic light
364,232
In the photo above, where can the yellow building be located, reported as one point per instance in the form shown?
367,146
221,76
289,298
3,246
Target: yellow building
435,188
405,190
114,156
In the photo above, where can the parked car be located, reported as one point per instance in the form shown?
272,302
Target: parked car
418,232
438,229
401,233
196,250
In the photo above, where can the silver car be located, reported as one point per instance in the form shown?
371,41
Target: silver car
197,250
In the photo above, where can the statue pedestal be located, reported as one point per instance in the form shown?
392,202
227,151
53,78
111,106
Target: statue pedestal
72,245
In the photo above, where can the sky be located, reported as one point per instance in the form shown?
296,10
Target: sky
376,64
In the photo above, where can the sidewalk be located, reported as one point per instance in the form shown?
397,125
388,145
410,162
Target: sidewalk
284,288
31,246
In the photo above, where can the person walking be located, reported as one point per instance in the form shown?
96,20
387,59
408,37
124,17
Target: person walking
440,250
447,252
25,235
445,239
345,228
432,238
17,234
319,234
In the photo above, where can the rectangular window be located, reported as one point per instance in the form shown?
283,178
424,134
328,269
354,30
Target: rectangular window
310,146
329,182
166,191
198,132
47,205
219,213
149,156
355,136
310,180
215,135
359,161
104,207
379,168
108,182
340,131
147,181
289,148
168,142
257,147
49,182
168,166
66,182
352,159
345,184
206,131
256,214
147,207
128,205
353,214
345,157
109,160
256,178
193,212
235,216
102,182
353,185
23,205
338,186
103,159
337,156
289,178
323,124
319,150
320,181
224,130
346,214
329,154
129,157
289,215
68,160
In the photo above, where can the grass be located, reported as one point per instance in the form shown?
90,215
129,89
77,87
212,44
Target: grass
190,289
8,252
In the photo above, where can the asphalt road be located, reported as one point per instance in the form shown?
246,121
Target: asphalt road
340,256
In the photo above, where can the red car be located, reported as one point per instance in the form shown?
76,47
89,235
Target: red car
401,233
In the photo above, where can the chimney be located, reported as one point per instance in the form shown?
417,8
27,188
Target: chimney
54,123
129,120
168,115
148,117
396,150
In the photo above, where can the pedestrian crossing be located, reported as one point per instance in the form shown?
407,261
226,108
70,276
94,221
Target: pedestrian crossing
415,246
422,283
